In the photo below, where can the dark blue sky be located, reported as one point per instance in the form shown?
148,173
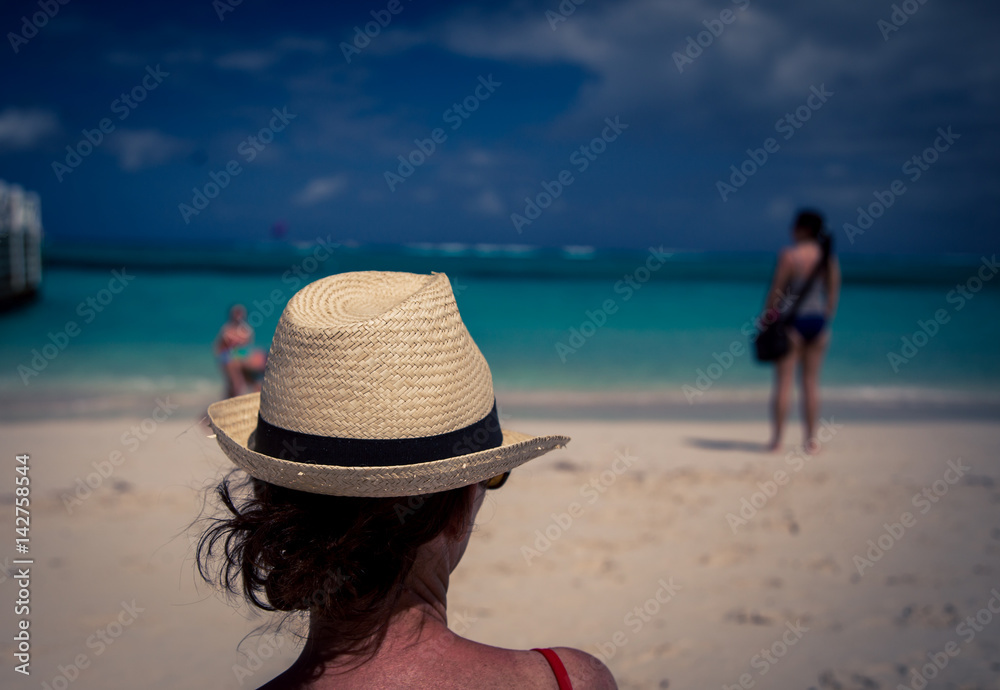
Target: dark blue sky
211,85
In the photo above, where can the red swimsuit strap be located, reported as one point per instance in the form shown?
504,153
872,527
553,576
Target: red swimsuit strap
562,677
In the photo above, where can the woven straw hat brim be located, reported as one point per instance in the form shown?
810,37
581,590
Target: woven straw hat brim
235,419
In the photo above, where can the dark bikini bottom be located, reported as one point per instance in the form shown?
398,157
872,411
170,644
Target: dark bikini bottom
809,327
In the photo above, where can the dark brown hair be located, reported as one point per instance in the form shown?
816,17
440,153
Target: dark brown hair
344,559
813,223
810,221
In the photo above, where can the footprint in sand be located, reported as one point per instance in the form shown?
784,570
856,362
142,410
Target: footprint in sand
928,616
790,523
731,554
745,617
856,681
978,480
785,523
823,564
660,651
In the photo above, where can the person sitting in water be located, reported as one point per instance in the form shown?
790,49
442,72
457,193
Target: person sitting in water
367,455
809,330
242,364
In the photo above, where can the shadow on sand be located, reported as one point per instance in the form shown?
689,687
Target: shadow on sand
722,444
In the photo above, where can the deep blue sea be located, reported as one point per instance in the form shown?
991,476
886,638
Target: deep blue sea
521,305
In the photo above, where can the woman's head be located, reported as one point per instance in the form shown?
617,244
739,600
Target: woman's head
344,560
370,444
809,224
237,313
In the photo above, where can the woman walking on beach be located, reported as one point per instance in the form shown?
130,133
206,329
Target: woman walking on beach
365,459
808,276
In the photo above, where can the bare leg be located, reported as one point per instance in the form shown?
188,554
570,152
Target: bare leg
236,384
812,358
784,373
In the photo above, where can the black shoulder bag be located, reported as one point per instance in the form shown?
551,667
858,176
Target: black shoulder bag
771,342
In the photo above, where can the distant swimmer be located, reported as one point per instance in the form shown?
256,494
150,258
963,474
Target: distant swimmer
803,297
242,363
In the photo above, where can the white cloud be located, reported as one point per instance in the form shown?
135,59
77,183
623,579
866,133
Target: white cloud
622,45
780,209
761,62
124,58
321,189
247,60
487,203
185,55
260,60
297,43
145,148
26,128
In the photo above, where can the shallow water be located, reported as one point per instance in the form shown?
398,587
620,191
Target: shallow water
548,322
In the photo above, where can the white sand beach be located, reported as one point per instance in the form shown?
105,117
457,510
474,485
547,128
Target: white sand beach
618,544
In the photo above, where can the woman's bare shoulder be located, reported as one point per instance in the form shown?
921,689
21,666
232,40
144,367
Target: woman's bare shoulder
531,669
464,664
498,667
585,670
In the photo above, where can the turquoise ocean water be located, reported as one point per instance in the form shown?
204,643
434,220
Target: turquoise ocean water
519,303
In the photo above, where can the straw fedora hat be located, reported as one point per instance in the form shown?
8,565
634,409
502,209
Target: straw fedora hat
373,387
